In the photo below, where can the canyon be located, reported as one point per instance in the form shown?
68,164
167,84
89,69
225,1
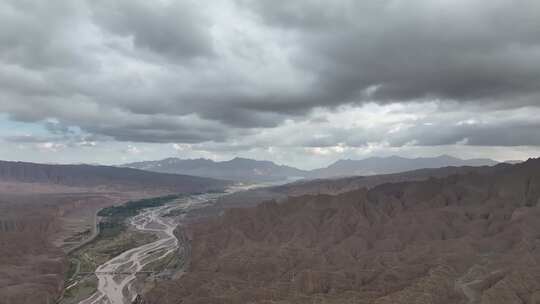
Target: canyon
48,210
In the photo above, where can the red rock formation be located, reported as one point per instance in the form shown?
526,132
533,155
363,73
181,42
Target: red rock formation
470,238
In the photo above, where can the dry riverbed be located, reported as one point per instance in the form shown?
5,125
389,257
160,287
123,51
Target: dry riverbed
137,244
112,241
116,235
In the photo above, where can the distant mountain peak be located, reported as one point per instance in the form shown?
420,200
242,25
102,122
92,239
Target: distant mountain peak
238,168
246,169
393,164
243,159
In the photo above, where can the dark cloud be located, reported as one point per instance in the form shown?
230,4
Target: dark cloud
176,30
155,132
38,35
502,134
26,139
460,50
192,72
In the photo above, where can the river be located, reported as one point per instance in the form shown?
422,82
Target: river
117,277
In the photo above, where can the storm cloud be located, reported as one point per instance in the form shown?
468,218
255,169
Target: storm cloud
403,50
231,74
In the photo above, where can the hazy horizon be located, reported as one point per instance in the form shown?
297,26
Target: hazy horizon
261,159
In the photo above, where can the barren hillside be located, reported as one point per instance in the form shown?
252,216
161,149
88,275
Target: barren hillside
31,268
340,185
469,238
42,208
104,177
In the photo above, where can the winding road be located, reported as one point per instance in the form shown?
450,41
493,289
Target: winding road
119,288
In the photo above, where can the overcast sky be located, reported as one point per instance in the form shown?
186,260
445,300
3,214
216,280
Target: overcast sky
298,82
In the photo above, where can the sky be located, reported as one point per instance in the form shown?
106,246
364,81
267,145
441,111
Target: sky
298,82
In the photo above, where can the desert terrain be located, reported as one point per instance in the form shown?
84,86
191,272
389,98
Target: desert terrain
466,238
36,232
48,211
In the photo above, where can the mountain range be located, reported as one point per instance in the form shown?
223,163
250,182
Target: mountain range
106,177
243,169
239,169
470,237
394,164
